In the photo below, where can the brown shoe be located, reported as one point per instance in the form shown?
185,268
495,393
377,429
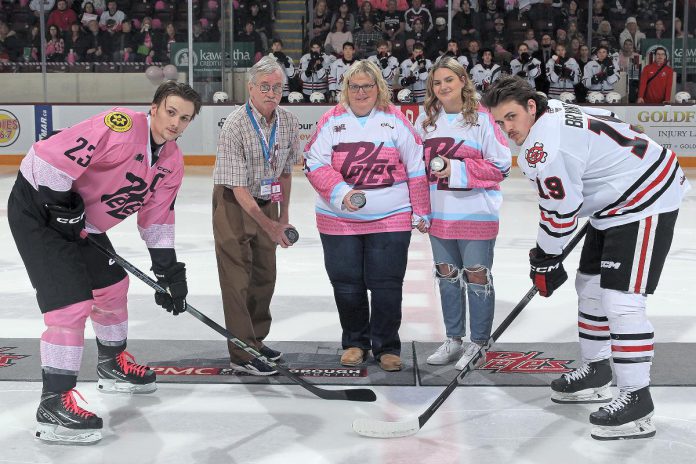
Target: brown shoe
352,356
390,362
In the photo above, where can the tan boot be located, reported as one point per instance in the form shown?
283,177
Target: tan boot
352,356
390,362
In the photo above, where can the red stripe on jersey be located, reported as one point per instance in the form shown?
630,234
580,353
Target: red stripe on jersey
631,349
643,253
598,328
558,225
644,192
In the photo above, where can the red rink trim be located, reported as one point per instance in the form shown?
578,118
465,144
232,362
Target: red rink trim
598,328
632,349
643,253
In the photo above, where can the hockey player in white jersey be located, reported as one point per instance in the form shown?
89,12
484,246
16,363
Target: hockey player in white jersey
314,70
453,51
385,61
563,73
338,69
526,66
631,188
602,73
287,63
486,72
414,73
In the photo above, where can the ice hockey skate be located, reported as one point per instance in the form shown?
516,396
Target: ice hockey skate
587,384
628,416
62,421
120,374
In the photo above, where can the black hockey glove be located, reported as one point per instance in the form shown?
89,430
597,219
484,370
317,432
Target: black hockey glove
384,62
596,79
610,70
174,280
69,221
558,69
522,73
308,72
546,271
421,65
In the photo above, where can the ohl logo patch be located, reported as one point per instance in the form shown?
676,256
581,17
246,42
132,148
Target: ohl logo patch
7,358
118,122
518,362
535,154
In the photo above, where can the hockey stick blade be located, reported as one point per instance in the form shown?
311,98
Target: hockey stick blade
358,394
383,429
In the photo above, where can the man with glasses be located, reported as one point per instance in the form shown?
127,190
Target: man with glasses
258,145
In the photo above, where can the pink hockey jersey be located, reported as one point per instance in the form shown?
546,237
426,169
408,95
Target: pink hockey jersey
107,160
466,204
380,154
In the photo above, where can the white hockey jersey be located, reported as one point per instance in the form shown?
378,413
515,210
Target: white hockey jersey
562,76
290,71
461,59
411,68
596,167
466,204
389,72
483,77
604,82
317,80
529,70
337,70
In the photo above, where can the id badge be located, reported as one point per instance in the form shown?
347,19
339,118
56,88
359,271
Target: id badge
266,187
276,192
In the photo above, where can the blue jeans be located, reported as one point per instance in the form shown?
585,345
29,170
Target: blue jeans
374,262
463,256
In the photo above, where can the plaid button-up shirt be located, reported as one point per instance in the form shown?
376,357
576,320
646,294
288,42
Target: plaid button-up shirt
240,162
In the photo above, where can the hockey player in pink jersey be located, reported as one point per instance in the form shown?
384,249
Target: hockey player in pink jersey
90,177
583,164
465,199
365,145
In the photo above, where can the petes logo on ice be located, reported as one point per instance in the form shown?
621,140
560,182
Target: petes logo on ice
518,362
7,358
535,154
181,58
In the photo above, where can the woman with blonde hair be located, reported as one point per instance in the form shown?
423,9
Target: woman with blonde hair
465,199
365,160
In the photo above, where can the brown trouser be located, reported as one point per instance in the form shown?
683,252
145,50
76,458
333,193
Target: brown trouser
246,263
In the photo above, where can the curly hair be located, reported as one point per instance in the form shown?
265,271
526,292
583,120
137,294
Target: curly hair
433,105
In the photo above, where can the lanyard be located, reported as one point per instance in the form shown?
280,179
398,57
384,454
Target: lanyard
266,148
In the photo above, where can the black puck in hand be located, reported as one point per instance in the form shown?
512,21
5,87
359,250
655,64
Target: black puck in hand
292,234
358,199
437,164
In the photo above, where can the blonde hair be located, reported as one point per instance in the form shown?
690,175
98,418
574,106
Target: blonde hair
432,104
369,69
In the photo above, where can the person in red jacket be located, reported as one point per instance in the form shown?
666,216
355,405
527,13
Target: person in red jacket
656,80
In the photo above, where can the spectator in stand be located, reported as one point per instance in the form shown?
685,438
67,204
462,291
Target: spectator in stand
262,23
75,41
601,74
418,11
659,31
414,72
347,17
525,66
544,54
546,16
314,70
145,41
366,39
416,34
334,5
473,54
9,43
125,43
201,35
490,13
628,57
170,37
599,13
486,72
498,34
62,17
574,13
617,9
112,12
466,24
110,40
584,57
574,49
678,32
248,34
35,6
88,14
454,52
55,45
573,32
32,44
604,33
386,62
632,33
287,64
367,11
562,38
656,80
393,25
319,26
436,39
531,41
94,43
99,5
337,37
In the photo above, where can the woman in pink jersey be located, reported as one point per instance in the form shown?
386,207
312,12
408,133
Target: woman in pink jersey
465,198
365,149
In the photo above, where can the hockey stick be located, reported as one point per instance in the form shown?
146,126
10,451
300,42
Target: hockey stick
384,429
358,394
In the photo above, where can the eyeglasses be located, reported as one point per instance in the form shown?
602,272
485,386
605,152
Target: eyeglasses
265,88
357,88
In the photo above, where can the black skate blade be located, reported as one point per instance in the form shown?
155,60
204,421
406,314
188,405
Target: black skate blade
630,437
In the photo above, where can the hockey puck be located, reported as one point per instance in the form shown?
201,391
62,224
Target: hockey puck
358,199
292,234
437,164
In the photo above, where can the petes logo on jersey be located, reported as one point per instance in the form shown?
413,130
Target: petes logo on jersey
535,154
118,122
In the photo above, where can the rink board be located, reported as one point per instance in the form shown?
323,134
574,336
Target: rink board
201,361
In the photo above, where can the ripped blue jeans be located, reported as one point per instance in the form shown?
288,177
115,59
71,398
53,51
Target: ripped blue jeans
458,265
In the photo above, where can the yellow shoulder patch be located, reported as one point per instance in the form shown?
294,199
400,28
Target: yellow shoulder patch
118,122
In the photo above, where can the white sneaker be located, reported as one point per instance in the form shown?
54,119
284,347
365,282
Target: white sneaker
447,352
469,353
